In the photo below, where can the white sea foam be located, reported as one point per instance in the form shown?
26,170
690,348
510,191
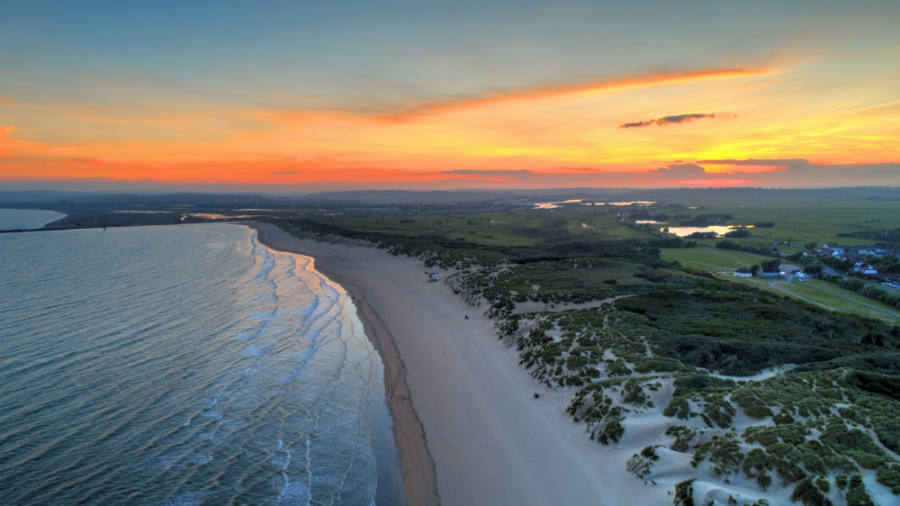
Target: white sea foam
187,499
217,348
215,415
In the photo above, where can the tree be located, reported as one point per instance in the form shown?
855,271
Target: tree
754,269
837,263
738,232
770,265
813,270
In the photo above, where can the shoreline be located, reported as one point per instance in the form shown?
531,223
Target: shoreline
416,463
491,440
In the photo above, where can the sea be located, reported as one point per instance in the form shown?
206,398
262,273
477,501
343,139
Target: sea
182,365
26,219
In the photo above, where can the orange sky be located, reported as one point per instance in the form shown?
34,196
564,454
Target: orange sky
816,120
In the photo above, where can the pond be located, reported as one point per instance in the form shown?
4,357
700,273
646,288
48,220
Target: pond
720,230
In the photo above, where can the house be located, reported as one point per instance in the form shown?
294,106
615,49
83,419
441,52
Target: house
433,277
743,273
771,274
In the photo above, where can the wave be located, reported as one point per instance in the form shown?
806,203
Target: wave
182,370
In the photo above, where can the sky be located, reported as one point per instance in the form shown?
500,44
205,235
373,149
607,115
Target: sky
308,96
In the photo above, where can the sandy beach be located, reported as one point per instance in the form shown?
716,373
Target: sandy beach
469,430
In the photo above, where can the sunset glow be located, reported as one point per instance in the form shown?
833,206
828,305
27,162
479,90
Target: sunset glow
796,116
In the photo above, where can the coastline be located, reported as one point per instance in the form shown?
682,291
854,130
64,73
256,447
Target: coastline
485,438
416,462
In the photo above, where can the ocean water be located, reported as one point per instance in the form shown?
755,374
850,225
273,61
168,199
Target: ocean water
184,365
25,219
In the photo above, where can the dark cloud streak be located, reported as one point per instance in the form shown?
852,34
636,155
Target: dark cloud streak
668,120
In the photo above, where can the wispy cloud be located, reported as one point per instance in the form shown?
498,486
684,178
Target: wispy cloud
542,92
802,172
489,173
769,162
668,120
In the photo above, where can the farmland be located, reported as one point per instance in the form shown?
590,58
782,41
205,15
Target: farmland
800,221
722,262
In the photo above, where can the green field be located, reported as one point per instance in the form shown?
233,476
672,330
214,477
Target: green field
802,221
838,299
722,262
518,228
711,259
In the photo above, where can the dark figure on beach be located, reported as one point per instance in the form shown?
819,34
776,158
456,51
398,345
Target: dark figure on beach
467,317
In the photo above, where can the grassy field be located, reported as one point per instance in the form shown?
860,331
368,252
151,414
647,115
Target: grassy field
804,221
518,228
711,259
838,299
820,293
824,295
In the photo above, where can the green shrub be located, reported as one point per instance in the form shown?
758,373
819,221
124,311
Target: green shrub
788,471
683,436
724,454
719,411
763,435
639,464
841,481
684,493
611,432
889,476
678,407
756,465
807,493
617,368
856,493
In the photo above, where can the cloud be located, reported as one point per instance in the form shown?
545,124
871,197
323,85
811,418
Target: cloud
675,174
680,170
297,175
668,120
542,92
95,160
518,174
779,162
803,172
774,172
9,144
